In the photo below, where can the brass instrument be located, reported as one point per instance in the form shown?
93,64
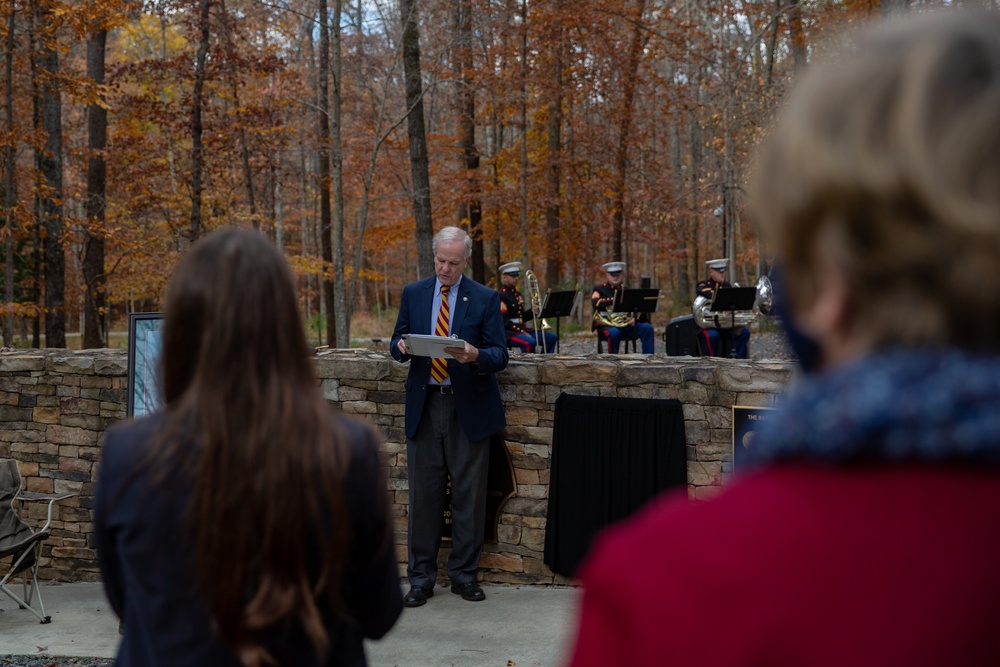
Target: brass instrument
535,296
531,287
765,295
706,318
604,318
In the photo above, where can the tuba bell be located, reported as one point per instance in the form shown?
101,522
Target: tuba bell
706,318
765,295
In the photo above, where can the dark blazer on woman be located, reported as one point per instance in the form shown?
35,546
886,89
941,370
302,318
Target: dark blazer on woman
144,552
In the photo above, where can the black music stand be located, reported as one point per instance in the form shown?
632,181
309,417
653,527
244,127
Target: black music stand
642,300
557,304
731,299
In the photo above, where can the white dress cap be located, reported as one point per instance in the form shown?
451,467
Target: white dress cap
511,267
614,267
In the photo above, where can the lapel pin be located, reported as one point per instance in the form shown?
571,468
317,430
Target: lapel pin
465,298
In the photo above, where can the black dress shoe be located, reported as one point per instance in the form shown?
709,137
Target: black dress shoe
469,591
417,596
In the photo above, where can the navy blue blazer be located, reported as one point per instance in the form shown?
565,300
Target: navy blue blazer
476,319
143,550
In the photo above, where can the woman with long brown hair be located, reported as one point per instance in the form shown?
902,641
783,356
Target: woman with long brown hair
245,524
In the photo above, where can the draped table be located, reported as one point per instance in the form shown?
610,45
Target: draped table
609,457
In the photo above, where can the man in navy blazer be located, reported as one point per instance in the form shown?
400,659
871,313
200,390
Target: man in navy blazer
449,419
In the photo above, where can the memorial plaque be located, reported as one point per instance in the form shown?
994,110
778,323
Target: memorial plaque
500,487
746,422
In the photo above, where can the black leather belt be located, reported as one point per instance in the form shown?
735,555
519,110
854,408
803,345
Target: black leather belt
445,389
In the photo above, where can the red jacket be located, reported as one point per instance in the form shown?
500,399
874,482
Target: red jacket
801,565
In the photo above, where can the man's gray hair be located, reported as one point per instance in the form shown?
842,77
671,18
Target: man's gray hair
452,235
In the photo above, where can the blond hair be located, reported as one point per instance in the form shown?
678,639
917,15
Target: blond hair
889,158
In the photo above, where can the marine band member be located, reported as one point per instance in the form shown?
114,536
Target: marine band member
516,314
633,327
707,288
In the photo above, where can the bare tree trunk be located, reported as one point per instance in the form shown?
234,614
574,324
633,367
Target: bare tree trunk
772,43
419,165
494,143
52,210
625,133
797,35
471,207
94,335
524,132
171,157
362,215
247,171
279,209
197,150
325,216
308,200
10,185
244,147
553,242
339,302
36,232
684,284
694,226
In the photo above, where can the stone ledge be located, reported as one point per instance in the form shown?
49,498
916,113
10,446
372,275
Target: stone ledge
57,404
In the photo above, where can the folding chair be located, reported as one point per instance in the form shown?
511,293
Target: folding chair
623,345
18,541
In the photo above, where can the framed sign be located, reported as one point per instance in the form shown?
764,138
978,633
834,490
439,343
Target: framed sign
746,421
145,342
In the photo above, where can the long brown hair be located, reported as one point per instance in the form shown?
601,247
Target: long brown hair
268,468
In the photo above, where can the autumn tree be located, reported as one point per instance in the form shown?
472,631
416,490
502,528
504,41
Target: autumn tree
50,161
9,183
197,127
562,134
419,161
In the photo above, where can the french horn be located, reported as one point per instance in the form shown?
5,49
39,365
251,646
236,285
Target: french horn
604,318
706,318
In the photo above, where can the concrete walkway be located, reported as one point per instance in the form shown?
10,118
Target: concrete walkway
520,627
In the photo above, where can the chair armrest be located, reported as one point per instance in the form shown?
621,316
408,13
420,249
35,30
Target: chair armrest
52,499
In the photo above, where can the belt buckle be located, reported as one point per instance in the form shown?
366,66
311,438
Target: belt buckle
445,389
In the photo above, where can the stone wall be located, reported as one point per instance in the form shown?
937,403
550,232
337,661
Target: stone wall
55,406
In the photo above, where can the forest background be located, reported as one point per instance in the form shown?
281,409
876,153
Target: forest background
560,133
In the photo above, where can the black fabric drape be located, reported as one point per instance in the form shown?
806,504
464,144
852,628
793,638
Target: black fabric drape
609,456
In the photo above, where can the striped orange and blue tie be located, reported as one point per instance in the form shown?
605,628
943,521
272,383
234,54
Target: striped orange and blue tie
439,365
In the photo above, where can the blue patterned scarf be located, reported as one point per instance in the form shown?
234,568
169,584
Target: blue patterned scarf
931,405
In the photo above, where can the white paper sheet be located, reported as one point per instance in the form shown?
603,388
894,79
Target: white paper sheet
432,346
